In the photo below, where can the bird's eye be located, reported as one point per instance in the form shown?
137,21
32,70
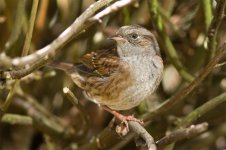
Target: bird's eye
134,36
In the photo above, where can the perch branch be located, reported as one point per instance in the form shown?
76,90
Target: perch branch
140,131
181,134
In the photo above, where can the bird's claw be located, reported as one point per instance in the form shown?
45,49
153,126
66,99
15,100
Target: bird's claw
126,119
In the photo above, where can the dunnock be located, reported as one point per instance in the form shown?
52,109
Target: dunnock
120,78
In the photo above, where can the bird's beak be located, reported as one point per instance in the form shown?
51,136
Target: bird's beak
117,38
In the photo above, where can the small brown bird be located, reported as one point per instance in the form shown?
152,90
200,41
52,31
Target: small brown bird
120,78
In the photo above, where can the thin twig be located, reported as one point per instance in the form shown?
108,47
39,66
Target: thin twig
112,8
27,42
123,142
17,119
17,25
207,10
200,111
37,59
167,18
24,52
17,74
64,37
83,113
140,131
181,134
209,138
44,120
214,26
9,97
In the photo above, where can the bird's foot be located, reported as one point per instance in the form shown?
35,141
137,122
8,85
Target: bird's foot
126,119
123,118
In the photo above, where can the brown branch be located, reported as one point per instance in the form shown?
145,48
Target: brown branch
83,113
17,74
140,131
214,26
203,109
44,120
37,59
203,142
28,38
112,8
64,37
181,134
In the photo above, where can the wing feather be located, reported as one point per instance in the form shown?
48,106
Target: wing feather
103,62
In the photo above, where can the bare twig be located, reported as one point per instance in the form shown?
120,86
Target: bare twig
212,34
27,42
71,97
37,59
8,101
17,119
123,142
112,8
140,131
83,113
64,37
17,25
207,139
181,134
207,10
9,98
214,26
200,111
43,120
104,140
17,74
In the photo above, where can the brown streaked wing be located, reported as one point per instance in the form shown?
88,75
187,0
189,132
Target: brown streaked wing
103,62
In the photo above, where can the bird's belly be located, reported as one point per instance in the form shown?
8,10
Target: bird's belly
124,95
109,91
132,97
139,91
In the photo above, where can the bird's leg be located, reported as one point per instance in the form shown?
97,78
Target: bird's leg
121,117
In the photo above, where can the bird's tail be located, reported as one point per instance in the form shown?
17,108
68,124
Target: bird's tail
67,67
71,70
